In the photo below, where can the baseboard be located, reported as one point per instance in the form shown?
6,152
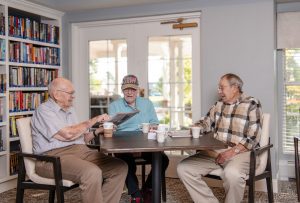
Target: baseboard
286,169
8,185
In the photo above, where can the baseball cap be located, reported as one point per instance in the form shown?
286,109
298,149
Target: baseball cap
130,81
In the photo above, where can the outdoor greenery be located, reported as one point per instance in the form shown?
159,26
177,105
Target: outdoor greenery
95,82
292,96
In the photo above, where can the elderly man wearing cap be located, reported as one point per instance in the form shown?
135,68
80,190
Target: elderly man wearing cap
131,102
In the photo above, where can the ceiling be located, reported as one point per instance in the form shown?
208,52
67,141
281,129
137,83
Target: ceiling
80,5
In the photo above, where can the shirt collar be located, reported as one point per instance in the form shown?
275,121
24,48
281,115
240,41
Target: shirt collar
239,99
57,108
127,105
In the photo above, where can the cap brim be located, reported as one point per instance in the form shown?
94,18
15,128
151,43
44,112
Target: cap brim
130,86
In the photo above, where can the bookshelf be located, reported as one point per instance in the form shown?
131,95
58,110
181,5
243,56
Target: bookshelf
30,58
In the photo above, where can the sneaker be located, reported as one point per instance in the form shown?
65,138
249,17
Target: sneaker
136,200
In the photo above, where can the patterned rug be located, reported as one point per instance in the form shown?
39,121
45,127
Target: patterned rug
176,193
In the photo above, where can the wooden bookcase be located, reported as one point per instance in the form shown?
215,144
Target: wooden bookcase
30,57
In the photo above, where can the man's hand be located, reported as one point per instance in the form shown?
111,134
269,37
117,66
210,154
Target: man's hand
103,117
99,130
225,156
228,154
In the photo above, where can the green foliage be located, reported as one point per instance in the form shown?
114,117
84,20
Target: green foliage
166,119
188,79
95,82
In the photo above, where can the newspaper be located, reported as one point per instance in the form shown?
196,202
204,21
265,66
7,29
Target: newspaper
122,117
180,133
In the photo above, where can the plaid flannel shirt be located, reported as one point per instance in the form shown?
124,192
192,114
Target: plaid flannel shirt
238,123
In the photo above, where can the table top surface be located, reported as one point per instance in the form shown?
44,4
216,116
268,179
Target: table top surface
141,143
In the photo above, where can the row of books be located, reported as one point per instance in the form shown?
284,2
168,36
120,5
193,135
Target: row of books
2,100
2,83
1,141
28,53
2,50
2,24
26,101
13,132
27,28
30,77
13,169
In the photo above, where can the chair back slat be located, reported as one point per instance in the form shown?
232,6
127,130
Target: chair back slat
24,131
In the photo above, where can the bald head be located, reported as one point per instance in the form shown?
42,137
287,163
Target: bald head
59,84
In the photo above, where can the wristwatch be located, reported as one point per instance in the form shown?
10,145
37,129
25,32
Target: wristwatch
94,133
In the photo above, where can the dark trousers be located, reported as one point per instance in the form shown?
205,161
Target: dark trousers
131,179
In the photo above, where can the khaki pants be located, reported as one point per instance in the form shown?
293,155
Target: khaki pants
234,176
101,178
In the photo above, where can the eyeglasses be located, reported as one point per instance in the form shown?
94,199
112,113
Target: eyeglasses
221,88
69,93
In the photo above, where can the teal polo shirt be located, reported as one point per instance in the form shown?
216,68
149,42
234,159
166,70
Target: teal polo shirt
147,113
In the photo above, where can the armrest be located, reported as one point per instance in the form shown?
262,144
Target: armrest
260,150
40,157
53,159
253,154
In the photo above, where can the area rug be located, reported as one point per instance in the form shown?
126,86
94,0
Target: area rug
176,193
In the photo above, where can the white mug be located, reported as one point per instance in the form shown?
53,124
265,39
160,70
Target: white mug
145,127
196,131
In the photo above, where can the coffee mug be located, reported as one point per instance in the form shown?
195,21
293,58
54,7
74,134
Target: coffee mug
108,129
145,127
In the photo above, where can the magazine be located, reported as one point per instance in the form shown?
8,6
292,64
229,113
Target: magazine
122,117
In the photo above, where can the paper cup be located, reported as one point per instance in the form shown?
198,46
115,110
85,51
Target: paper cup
108,129
196,132
160,136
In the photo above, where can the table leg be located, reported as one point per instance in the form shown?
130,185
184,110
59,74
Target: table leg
156,177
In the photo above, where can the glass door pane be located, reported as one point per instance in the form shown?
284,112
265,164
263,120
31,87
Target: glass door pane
107,67
170,78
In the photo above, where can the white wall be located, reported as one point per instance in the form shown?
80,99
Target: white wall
236,36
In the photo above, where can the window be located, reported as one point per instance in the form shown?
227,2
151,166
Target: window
291,98
107,67
170,78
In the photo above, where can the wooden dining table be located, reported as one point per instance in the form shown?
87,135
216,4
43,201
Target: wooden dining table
129,142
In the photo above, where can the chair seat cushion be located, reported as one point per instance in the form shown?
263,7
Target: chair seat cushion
48,181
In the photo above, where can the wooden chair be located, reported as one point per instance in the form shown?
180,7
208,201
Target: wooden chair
264,170
27,167
297,165
142,162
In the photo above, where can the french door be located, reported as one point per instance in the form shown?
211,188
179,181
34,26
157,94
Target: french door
165,60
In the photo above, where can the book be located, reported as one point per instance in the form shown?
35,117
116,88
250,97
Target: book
122,117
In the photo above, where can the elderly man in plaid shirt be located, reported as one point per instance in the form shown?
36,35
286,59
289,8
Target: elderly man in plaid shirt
236,119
